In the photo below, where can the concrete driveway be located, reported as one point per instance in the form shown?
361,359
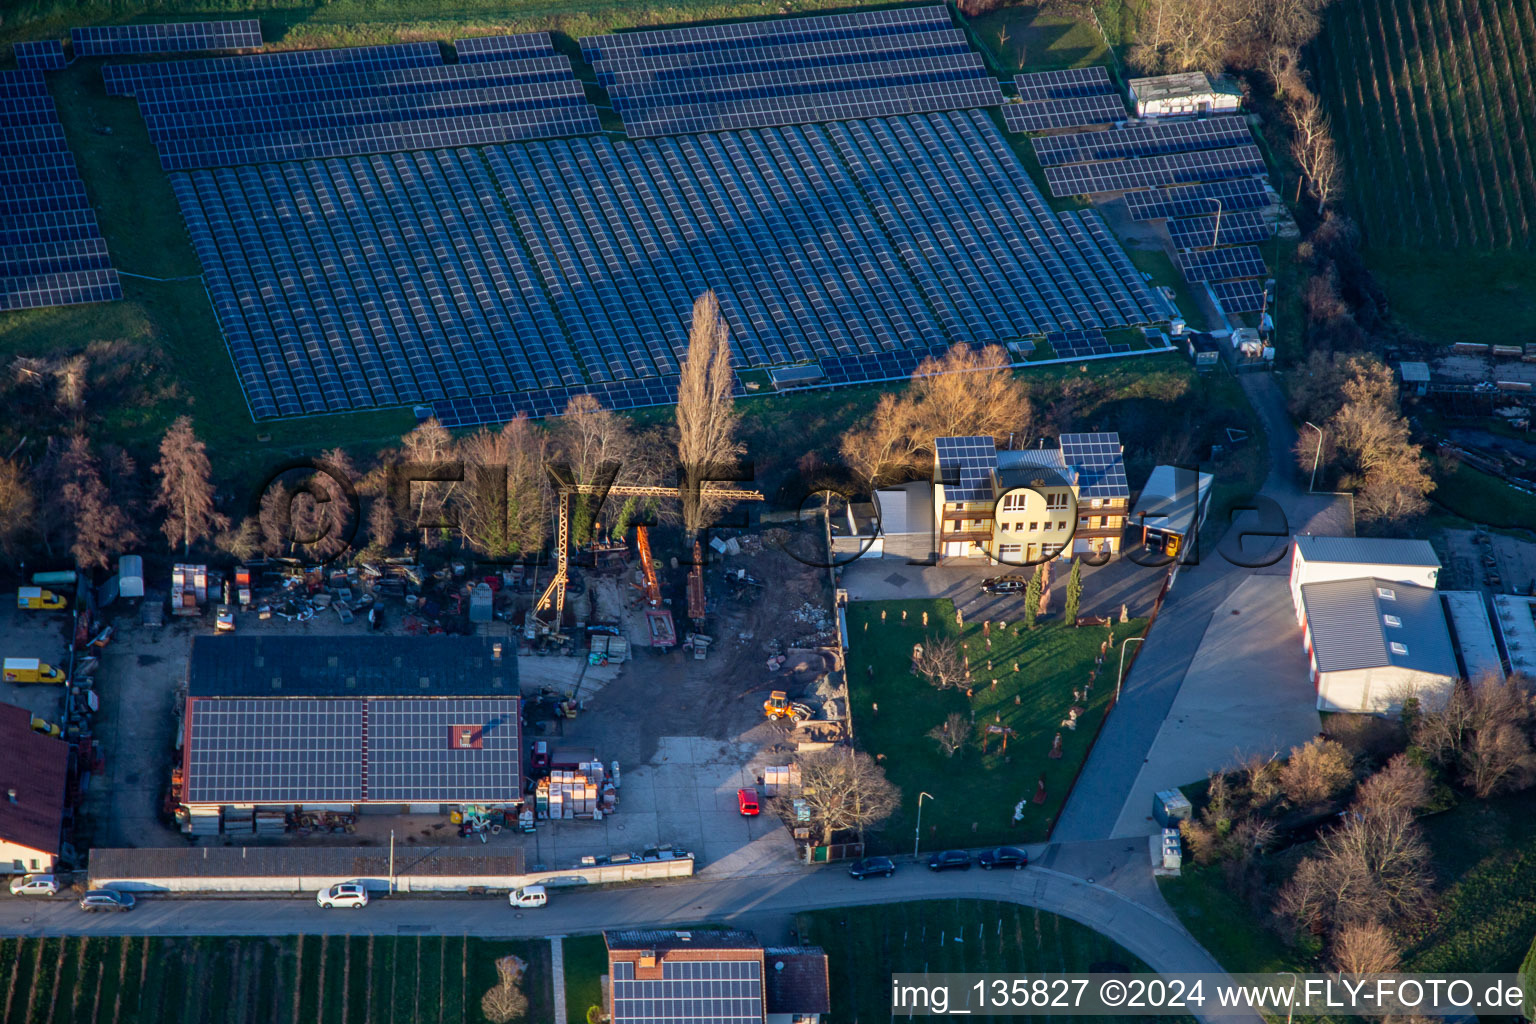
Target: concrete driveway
1105,587
1245,692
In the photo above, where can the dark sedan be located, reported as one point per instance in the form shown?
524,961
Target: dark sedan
950,860
1004,584
1003,857
862,869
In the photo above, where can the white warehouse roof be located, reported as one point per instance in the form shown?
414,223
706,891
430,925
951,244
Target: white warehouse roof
1351,629
1367,550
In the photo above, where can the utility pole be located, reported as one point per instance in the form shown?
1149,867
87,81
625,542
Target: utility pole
917,833
391,862
1216,235
1316,456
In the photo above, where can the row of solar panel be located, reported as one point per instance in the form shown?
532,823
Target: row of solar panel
1063,84
776,82
1072,112
1246,296
886,101
515,47
169,37
1081,344
1229,228
43,55
760,33
1197,200
1155,171
126,79
51,250
1141,140
1222,264
781,56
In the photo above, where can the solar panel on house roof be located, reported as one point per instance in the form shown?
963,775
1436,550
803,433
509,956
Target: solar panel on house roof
1196,200
1063,84
718,991
275,751
1100,464
1072,112
1222,264
965,467
168,37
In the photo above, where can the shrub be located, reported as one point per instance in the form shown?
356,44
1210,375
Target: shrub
1316,773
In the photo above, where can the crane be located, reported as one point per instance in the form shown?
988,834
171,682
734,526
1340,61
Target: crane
554,593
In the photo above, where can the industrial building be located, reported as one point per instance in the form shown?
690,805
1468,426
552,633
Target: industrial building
1192,94
723,977
349,724
1515,616
1321,559
1374,643
1473,632
33,775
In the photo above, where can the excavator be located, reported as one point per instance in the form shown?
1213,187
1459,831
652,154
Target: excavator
657,618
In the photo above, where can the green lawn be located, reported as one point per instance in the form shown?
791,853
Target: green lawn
866,944
1225,925
1037,39
974,793
1476,496
586,961
1451,296
420,979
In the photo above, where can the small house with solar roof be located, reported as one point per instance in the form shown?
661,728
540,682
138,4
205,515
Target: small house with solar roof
1019,506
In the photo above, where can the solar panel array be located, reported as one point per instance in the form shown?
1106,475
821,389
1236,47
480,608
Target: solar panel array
795,71
125,79
1100,464
1246,296
1222,264
330,750
1196,200
1154,171
1230,228
229,117
965,466
51,251
44,55
1064,84
484,48
170,37
1073,112
1141,140
455,275
1080,344
717,991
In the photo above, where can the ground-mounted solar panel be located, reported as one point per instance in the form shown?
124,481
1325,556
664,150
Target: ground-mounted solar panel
1141,140
885,101
1246,296
65,288
1198,200
1073,112
811,28
43,55
1064,84
125,79
1222,264
1154,171
783,56
166,37
1228,229
765,84
483,48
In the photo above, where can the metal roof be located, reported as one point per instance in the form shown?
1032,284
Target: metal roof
290,861
906,509
1350,629
1168,502
1516,618
1186,83
351,666
1414,371
1468,610
1367,550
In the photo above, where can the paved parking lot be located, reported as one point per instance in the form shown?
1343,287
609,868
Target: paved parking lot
41,635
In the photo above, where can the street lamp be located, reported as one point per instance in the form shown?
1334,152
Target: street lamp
1290,1006
1316,456
1120,678
1216,234
917,833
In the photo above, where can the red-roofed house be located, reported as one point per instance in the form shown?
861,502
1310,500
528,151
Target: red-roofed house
32,775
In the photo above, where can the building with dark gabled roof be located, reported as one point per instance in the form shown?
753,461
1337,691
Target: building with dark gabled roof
336,723
712,977
33,775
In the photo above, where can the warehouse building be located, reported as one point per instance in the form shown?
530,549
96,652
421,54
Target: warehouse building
1321,559
350,724
1473,632
719,976
1373,643
1515,615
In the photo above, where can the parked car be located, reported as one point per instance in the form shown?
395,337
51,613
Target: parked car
746,802
343,894
540,757
862,869
528,896
1003,584
1003,857
106,899
35,885
949,860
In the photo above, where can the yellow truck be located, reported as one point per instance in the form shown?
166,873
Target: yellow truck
30,670
36,599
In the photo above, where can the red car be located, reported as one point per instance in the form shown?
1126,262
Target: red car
746,801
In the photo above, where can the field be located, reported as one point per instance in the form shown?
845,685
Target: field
946,935
336,978
1480,498
974,793
1434,107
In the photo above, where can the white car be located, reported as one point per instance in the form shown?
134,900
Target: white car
528,896
35,885
343,894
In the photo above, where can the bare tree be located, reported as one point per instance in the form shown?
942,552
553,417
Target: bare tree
953,734
1313,149
186,488
1364,948
941,663
1373,868
706,414
845,790
1483,734
505,1002
1316,772
588,438
71,374
18,507
882,448
1401,786
97,524
503,507
425,504
242,540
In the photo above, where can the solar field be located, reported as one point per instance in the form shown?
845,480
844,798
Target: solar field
169,37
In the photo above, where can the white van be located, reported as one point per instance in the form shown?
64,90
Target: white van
528,896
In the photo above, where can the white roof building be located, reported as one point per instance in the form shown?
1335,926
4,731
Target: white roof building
1322,559
1516,619
1479,651
1191,94
1373,643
